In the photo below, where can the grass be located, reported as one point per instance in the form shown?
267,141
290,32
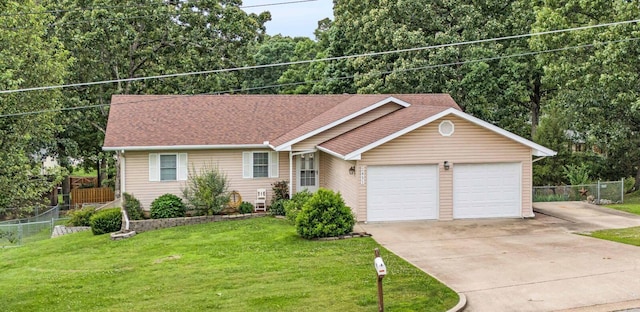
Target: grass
631,203
630,236
252,265
81,172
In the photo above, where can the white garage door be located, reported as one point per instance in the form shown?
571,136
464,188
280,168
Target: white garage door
397,193
487,190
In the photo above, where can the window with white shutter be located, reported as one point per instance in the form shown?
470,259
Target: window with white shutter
259,165
167,167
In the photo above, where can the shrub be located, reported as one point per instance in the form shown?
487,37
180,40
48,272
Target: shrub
106,221
207,193
245,207
167,206
277,207
132,207
80,217
280,191
629,183
324,215
292,207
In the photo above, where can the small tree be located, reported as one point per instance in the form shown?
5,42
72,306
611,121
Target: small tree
207,192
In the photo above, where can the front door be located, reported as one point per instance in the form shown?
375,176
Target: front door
307,176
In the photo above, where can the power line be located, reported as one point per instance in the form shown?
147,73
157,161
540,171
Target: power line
488,59
335,58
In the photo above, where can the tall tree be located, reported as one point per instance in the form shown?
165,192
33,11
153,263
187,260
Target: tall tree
482,78
133,39
598,87
28,58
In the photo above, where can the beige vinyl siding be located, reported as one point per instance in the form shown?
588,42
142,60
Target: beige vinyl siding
311,142
335,176
469,144
228,161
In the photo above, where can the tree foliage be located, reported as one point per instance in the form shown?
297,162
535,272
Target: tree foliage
28,58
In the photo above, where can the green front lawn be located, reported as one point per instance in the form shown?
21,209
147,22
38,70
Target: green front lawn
631,203
629,236
253,265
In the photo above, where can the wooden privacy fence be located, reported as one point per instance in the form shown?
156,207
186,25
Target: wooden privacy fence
91,195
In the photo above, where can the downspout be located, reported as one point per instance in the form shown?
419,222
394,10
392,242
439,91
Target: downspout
290,174
123,190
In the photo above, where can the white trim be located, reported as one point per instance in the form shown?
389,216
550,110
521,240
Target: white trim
183,147
538,150
330,152
287,145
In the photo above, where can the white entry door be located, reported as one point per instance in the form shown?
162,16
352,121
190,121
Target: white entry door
307,173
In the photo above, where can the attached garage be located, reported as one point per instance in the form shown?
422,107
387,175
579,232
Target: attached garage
487,190
403,192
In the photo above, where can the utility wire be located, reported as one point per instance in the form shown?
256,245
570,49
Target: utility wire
335,58
165,97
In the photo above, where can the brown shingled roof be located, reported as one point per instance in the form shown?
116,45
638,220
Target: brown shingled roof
149,120
423,107
205,120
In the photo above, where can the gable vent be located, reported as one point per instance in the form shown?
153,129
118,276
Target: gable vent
446,128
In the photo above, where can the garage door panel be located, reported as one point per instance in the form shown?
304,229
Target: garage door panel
487,190
397,193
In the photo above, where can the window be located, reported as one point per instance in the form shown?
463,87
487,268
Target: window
259,165
167,167
446,128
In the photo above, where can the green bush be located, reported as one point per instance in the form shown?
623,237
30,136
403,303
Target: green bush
292,207
245,207
106,221
629,183
167,206
80,217
132,207
207,192
324,215
277,207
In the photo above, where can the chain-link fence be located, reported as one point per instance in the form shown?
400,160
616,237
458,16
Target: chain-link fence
20,231
600,193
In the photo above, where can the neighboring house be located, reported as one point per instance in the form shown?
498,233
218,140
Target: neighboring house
392,157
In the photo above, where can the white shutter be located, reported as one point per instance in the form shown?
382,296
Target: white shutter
273,164
154,167
182,167
247,165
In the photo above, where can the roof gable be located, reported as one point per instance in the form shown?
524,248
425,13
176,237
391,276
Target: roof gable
351,145
343,112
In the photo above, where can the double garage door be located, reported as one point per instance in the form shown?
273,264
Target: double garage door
396,193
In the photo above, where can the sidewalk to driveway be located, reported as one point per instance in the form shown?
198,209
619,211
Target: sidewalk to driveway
523,265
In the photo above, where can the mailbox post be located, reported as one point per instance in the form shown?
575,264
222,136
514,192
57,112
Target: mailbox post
381,271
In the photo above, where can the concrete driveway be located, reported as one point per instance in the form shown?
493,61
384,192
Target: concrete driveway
525,264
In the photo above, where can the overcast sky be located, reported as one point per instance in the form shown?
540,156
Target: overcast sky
293,19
